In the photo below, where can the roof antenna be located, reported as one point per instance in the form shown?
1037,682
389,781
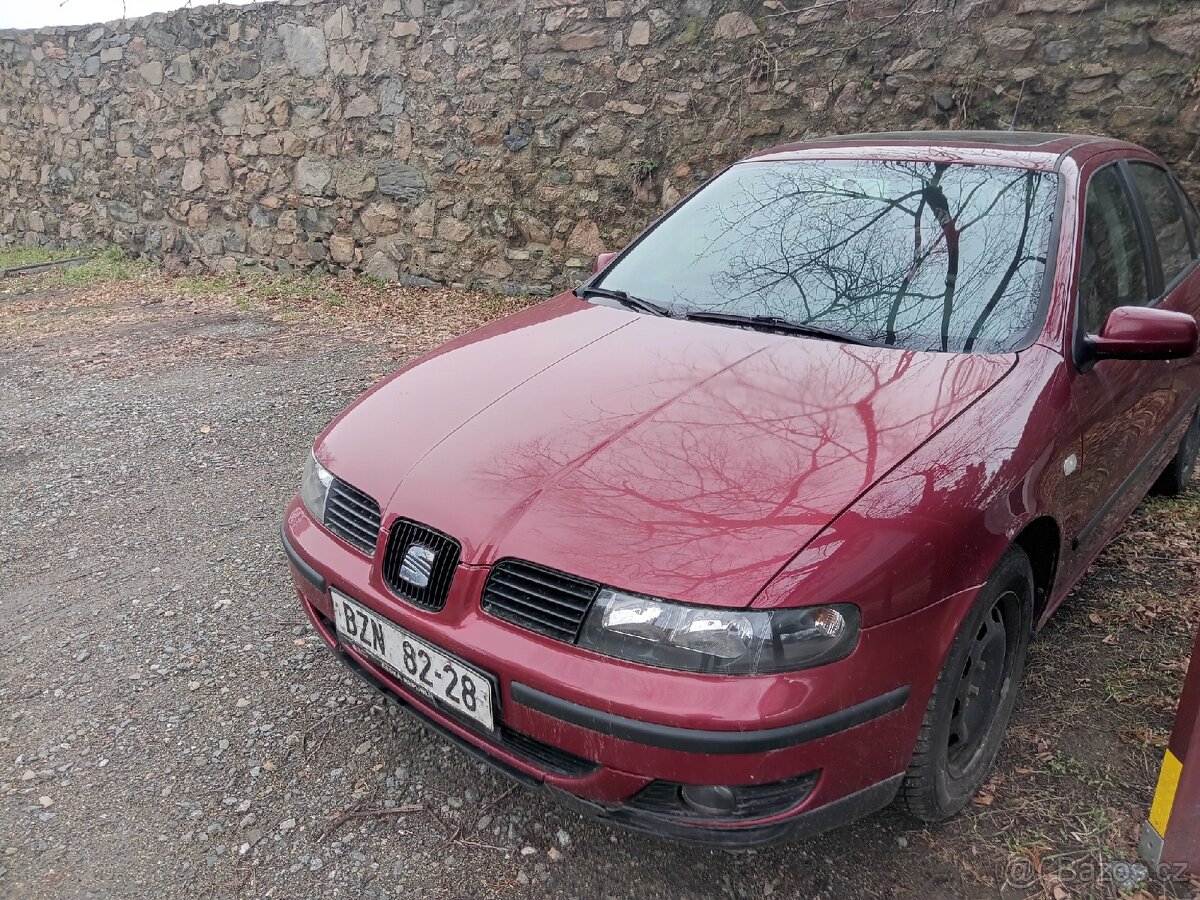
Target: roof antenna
1012,126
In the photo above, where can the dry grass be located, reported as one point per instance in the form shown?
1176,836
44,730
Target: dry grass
112,291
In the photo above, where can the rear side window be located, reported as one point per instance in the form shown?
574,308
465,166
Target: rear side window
1192,217
1166,218
1113,269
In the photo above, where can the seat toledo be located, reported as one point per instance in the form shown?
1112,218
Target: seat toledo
748,535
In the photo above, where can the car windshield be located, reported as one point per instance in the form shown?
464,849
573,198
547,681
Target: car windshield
925,256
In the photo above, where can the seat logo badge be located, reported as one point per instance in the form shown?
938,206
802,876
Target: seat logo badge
418,565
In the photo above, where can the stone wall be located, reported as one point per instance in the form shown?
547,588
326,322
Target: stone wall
508,141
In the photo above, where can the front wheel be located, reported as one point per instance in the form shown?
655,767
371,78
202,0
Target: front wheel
974,695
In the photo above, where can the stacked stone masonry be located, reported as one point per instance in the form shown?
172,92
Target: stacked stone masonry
507,142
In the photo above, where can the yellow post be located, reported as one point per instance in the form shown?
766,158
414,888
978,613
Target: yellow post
1171,836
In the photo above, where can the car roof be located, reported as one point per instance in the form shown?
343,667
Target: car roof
1035,149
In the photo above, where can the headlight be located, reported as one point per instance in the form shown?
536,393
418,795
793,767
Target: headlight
718,641
314,487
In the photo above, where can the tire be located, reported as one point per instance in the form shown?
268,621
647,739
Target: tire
974,695
1179,471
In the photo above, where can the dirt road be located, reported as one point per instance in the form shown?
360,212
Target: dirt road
170,726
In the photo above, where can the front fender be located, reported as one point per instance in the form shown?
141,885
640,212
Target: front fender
941,519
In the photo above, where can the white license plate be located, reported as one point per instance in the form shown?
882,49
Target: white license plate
417,663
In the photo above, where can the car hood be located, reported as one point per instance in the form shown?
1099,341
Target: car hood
678,459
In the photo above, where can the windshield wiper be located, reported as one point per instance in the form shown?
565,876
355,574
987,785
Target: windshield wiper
624,298
774,323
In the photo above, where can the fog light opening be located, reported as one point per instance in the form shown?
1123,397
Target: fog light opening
709,799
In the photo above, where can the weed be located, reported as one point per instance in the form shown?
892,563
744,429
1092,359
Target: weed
1123,686
373,282
201,285
293,287
105,266
108,265
14,257
1063,765
644,168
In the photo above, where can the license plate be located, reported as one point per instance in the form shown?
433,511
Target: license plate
417,663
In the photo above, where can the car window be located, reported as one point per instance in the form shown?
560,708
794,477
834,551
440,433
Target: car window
1192,217
1112,269
918,255
1166,218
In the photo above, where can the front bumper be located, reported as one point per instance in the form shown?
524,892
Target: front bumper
657,726
802,825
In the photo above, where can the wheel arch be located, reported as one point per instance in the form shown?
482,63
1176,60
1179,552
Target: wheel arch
1041,540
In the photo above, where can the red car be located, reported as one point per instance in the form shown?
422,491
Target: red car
747,536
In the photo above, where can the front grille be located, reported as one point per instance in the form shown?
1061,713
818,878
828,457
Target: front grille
540,599
755,801
352,515
419,563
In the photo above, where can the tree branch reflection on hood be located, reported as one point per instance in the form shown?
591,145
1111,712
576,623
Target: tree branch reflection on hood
697,476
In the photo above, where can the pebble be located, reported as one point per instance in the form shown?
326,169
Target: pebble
1128,876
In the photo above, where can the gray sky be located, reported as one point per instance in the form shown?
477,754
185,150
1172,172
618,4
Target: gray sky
39,13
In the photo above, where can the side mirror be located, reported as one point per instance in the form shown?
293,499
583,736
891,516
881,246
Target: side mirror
602,261
1141,332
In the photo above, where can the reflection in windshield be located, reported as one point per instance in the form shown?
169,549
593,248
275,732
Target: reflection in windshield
925,256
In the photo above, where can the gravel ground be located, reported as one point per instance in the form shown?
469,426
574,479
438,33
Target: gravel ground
170,726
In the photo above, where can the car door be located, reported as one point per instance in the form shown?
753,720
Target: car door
1123,406
1176,227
